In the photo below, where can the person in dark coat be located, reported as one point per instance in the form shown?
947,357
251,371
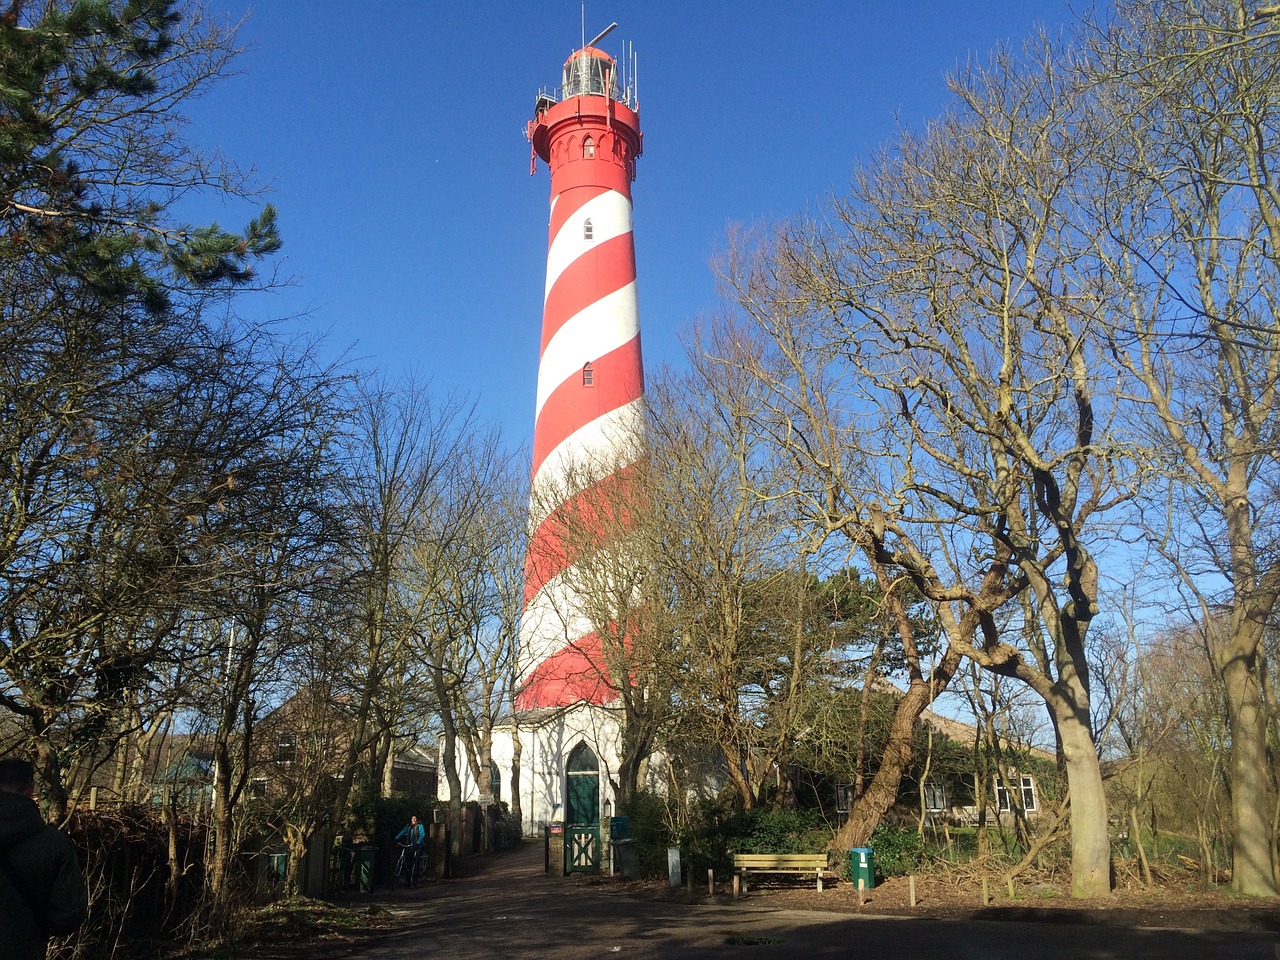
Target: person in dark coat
42,892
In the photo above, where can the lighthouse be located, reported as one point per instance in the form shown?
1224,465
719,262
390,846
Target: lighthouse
561,748
589,420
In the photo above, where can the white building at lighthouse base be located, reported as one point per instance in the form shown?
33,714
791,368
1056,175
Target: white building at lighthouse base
569,758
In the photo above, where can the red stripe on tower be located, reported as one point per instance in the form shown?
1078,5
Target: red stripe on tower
590,409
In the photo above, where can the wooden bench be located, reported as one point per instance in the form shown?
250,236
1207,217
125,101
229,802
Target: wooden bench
799,864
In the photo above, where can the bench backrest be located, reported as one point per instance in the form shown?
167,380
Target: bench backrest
810,861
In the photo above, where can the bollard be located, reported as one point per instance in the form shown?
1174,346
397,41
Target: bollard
985,898
711,882
862,891
912,886
1012,895
737,881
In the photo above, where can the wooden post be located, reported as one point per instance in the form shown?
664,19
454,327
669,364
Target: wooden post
737,883
985,898
1011,893
711,882
862,890
912,886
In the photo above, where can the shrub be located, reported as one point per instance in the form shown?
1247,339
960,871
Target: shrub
898,850
508,831
651,830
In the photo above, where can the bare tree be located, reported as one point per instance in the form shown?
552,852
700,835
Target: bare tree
463,626
1188,102
934,369
593,567
404,449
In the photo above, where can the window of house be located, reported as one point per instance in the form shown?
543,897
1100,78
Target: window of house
258,787
588,375
588,148
495,782
286,748
935,796
1028,794
587,229
1027,785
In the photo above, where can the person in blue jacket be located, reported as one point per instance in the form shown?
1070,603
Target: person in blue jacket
414,836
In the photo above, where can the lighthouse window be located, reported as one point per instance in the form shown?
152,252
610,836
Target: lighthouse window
586,230
588,375
588,148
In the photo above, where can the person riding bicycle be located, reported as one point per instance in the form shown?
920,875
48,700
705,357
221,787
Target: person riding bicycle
413,836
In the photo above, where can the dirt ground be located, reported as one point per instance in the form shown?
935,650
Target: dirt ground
1180,903
356,925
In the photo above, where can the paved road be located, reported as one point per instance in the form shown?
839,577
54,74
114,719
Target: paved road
513,911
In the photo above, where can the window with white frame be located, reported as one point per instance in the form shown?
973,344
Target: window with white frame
286,748
1027,785
935,796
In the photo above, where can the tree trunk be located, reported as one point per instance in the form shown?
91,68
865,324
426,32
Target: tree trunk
517,750
221,820
449,763
1251,871
870,808
295,839
385,761
1090,843
1136,834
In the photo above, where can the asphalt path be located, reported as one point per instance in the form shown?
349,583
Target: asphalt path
511,909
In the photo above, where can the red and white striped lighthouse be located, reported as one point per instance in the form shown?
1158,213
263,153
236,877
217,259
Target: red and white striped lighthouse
590,407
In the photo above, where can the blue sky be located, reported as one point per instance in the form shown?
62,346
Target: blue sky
391,136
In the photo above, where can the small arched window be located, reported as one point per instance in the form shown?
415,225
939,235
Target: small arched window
588,375
588,148
587,230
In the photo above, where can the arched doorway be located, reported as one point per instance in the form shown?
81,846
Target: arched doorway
582,786
582,810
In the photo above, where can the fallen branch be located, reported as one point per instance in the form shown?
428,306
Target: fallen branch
1046,838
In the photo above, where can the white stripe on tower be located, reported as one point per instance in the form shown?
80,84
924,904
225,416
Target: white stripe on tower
590,405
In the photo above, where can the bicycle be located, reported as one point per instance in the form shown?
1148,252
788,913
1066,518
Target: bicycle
408,867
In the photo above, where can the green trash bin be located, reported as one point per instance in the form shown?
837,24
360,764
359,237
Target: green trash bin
364,860
862,867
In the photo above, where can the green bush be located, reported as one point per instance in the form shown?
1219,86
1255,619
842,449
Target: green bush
784,831
508,831
898,850
714,832
650,828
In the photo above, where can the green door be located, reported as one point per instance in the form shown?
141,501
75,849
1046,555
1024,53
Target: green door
582,811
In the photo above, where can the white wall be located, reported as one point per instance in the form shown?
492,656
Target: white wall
546,747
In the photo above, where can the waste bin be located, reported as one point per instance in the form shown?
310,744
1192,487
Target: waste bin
626,858
862,867
365,857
